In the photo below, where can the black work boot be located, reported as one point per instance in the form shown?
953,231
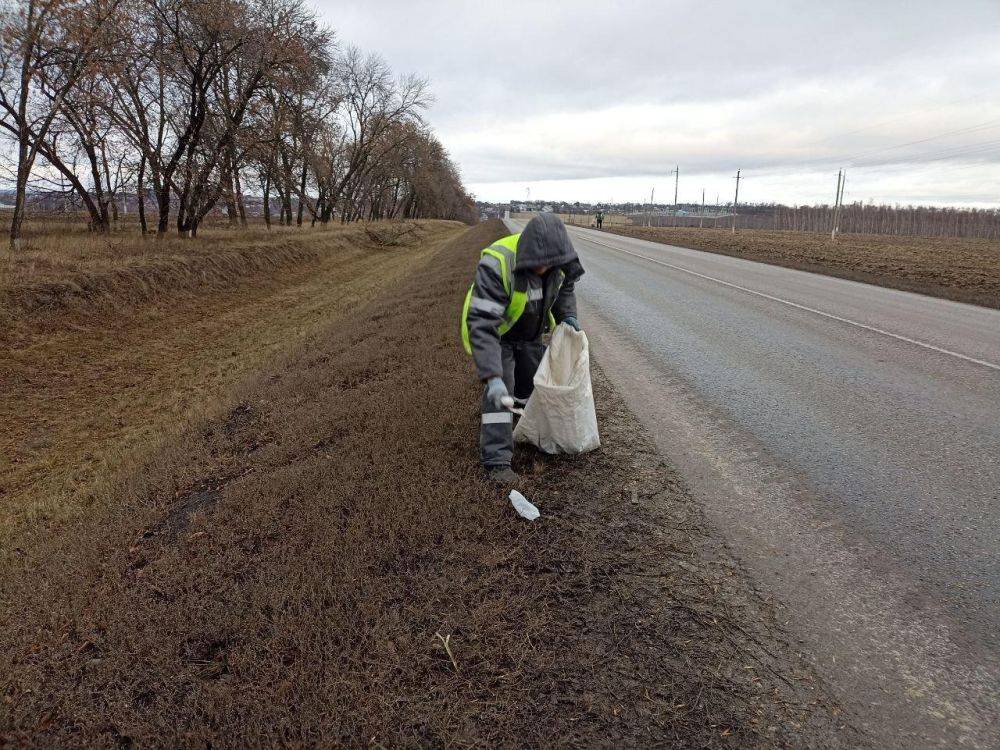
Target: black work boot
503,475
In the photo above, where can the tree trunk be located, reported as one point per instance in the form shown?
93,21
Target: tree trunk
108,198
183,209
140,193
18,217
240,202
302,192
328,209
21,188
266,189
230,190
100,223
163,206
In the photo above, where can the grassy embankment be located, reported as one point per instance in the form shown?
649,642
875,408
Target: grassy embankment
964,270
312,557
111,345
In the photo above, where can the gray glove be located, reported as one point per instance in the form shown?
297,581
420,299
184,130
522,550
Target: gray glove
571,322
495,390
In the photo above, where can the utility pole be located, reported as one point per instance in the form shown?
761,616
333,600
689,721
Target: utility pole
649,219
841,182
836,205
701,216
736,200
677,180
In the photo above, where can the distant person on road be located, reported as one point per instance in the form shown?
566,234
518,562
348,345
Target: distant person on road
600,219
524,286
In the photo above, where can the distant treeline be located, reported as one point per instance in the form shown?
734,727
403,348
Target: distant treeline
190,106
856,218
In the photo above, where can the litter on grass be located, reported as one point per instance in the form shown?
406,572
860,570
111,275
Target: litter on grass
522,506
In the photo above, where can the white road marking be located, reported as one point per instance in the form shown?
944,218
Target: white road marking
831,316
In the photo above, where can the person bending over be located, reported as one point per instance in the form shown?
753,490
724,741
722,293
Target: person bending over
524,286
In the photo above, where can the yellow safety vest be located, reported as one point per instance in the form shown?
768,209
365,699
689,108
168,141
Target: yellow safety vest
505,251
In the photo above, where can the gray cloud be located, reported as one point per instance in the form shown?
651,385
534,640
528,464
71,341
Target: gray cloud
560,91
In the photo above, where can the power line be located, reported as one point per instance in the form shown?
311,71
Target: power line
909,115
957,151
988,125
855,158
953,152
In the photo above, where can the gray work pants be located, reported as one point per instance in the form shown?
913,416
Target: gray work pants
496,432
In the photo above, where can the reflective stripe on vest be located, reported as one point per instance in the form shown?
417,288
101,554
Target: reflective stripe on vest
505,252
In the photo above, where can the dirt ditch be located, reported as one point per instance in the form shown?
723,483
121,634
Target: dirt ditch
325,565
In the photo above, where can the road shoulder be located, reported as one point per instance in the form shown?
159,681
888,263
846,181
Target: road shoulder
904,674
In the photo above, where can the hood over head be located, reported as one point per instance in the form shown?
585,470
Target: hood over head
544,242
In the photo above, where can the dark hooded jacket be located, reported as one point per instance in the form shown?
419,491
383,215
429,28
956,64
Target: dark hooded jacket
544,242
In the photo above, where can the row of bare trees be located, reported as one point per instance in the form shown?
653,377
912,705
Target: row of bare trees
860,218
855,218
188,106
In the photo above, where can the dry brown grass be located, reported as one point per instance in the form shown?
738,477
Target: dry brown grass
62,261
57,247
289,573
961,269
100,367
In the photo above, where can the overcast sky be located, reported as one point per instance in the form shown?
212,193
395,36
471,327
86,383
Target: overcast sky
600,100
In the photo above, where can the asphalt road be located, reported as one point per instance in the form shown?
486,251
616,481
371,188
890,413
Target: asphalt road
845,439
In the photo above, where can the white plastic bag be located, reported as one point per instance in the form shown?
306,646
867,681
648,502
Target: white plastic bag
523,507
559,417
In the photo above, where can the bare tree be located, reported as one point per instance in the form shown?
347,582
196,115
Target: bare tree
45,47
374,104
187,102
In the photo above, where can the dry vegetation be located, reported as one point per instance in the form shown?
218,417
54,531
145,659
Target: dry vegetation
62,263
965,270
321,563
110,347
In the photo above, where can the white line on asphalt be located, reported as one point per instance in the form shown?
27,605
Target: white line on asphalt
831,316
